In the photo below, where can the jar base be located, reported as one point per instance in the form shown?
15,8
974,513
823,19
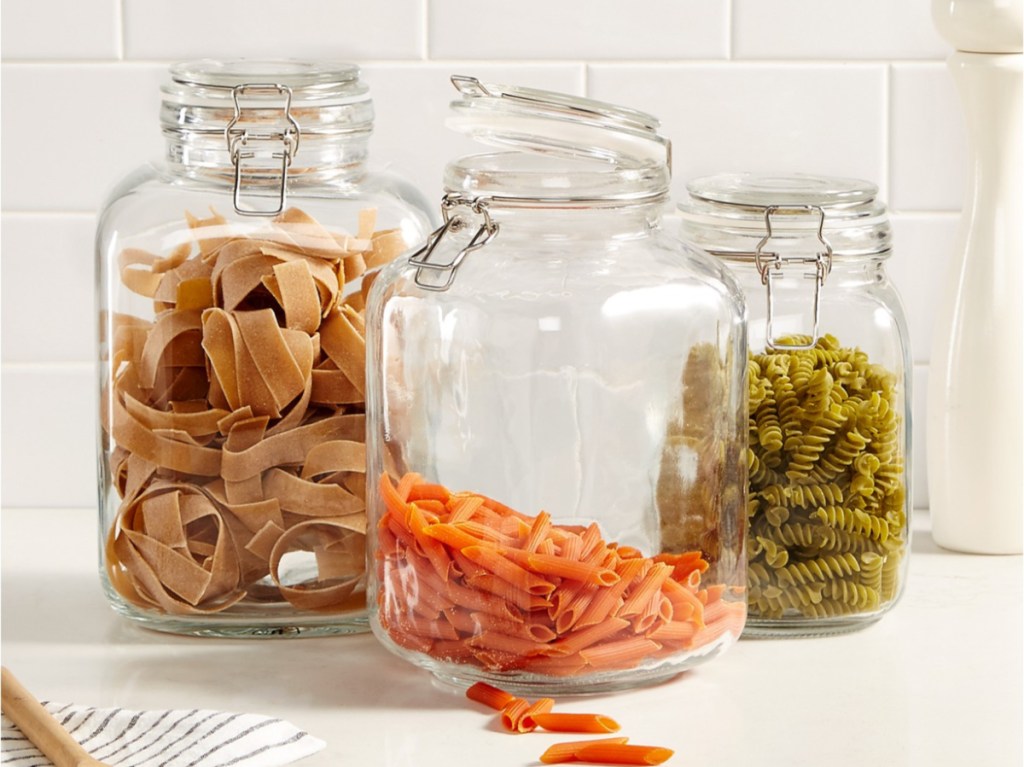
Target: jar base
285,623
797,629
461,675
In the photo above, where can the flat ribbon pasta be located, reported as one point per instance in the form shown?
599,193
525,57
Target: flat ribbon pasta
236,417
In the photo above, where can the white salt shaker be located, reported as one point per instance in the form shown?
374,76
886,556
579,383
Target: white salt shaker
975,394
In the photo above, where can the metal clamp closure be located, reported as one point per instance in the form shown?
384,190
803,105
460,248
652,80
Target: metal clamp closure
454,222
770,263
243,142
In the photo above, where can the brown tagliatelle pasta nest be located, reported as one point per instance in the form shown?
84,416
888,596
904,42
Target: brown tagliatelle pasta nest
238,417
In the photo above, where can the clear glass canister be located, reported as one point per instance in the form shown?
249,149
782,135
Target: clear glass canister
829,402
556,414
231,290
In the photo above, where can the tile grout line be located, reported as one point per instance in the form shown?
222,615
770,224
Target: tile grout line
119,20
887,112
50,366
425,32
730,32
841,62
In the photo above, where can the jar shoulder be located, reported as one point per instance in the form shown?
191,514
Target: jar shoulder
153,195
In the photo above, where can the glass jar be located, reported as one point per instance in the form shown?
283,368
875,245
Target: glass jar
829,377
556,414
231,291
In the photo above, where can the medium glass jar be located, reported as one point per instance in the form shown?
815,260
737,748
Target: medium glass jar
231,289
556,415
829,376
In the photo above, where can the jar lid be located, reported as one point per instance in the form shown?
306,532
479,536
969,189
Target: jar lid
307,79
564,149
730,214
556,123
322,97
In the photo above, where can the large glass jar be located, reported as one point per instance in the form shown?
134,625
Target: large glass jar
231,286
556,415
829,376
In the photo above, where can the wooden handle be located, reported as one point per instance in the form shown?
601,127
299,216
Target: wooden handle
39,727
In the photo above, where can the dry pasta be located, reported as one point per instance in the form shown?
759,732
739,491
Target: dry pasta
452,592
827,529
237,417
558,722
518,715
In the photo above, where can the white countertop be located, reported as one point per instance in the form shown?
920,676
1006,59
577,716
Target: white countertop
938,681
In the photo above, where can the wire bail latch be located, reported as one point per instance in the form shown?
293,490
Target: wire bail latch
455,220
245,143
770,263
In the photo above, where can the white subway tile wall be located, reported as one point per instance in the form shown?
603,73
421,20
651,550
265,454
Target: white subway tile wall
819,86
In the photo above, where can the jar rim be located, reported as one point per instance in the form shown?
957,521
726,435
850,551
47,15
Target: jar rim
834,194
298,74
203,97
536,179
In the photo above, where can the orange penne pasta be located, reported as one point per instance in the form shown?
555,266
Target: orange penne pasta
424,491
612,753
653,614
571,606
434,508
571,548
528,721
629,552
645,591
714,593
593,546
680,595
537,632
490,696
549,564
476,600
463,507
492,584
583,638
566,752
576,722
405,486
513,712
431,547
674,632
494,640
452,535
453,651
462,620
601,605
467,579
466,567
484,533
509,571
557,665
538,531
623,653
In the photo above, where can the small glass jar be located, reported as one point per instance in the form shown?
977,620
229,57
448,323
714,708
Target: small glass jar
556,414
231,290
829,377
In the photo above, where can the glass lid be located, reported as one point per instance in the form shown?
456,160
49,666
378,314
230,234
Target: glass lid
762,191
323,98
733,212
308,79
556,123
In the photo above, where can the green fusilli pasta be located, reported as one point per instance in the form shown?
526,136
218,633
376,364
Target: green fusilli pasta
827,478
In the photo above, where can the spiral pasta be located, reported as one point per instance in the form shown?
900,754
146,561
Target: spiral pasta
827,477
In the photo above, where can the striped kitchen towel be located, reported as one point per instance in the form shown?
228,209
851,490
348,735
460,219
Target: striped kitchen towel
196,738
